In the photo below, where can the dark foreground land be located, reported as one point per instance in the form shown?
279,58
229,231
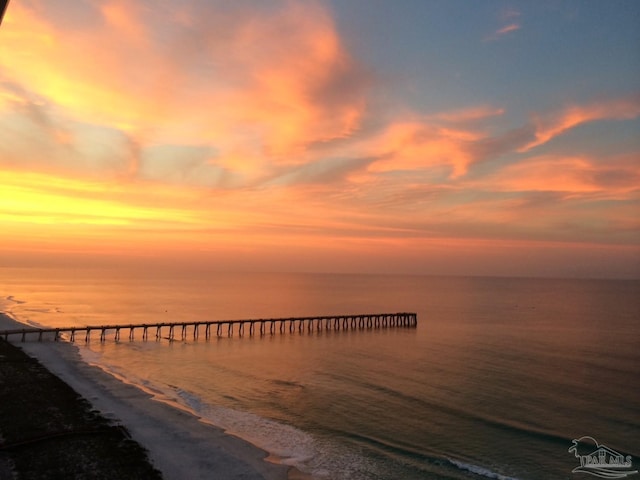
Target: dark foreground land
47,431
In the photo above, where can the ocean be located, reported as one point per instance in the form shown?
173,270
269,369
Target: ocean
498,378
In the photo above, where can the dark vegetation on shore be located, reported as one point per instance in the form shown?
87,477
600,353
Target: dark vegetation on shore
48,431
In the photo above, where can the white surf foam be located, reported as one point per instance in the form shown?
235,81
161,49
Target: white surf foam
290,445
284,443
484,472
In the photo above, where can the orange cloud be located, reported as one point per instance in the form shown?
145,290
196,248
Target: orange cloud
616,178
126,19
306,89
81,70
264,85
556,124
415,145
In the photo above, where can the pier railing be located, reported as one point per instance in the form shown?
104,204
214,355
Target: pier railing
262,326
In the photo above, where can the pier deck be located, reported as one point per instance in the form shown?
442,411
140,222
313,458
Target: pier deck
219,328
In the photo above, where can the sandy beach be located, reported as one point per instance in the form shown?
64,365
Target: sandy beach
179,444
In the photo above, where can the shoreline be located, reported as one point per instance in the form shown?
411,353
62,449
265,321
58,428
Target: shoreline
179,444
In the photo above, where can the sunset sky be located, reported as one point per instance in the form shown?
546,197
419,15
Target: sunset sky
418,136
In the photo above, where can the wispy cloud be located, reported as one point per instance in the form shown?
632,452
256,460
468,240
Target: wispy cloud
552,125
509,13
512,27
509,19
618,177
503,31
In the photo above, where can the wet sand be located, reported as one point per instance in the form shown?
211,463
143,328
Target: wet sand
178,443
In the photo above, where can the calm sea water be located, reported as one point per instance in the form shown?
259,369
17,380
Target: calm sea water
499,377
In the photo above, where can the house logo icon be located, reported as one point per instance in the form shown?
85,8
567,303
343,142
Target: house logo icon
600,460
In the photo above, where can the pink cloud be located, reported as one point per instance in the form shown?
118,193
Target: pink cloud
501,32
509,28
419,145
260,86
550,126
618,178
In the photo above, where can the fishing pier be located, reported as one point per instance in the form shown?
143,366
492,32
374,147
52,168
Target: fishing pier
183,330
